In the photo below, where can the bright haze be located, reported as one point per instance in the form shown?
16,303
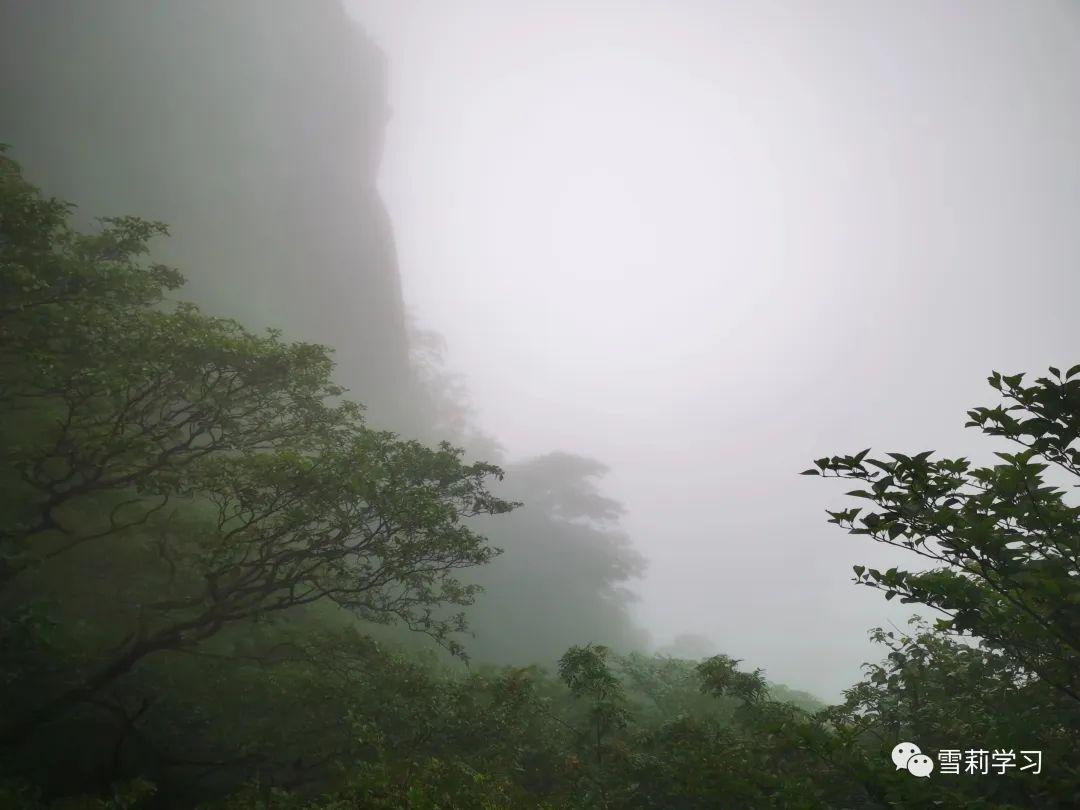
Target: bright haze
708,242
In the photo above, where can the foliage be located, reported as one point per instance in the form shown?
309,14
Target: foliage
566,538
197,475
1000,549
198,533
1003,543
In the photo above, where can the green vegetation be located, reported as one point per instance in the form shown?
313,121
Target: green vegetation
198,533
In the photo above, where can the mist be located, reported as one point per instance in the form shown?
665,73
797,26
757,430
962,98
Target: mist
708,242
649,259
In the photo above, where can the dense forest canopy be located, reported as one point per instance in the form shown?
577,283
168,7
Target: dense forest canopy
256,551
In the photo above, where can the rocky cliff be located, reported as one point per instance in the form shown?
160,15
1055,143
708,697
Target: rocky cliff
254,128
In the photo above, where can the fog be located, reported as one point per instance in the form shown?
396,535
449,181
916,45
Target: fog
698,244
405,404
706,243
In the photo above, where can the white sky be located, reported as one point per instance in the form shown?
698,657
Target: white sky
705,242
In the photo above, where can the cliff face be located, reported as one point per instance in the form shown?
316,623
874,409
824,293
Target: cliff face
254,128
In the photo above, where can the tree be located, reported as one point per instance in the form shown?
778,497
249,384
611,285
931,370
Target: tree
111,391
1000,546
118,403
563,579
1003,543
589,676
